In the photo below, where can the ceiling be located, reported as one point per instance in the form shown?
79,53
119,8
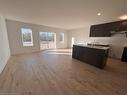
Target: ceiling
66,14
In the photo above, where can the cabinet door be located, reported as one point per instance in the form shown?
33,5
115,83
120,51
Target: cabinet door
100,30
122,26
104,30
124,56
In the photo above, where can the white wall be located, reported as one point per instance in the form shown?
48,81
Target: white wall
116,42
4,45
15,40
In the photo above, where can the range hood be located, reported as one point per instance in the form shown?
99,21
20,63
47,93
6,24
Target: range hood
119,32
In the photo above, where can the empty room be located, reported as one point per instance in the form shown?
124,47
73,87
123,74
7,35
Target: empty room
63,47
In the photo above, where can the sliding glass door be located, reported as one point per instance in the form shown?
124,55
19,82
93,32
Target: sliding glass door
47,40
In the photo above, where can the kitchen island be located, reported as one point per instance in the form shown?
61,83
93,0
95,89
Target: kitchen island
93,55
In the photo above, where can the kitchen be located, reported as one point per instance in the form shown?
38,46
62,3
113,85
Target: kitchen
114,35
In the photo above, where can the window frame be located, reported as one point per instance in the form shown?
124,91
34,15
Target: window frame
27,44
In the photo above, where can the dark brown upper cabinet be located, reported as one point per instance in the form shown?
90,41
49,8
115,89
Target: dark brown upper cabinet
104,30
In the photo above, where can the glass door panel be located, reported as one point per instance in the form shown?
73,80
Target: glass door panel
47,40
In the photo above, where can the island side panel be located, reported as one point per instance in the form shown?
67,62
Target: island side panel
92,56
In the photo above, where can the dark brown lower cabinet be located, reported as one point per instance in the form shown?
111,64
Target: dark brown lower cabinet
124,56
92,56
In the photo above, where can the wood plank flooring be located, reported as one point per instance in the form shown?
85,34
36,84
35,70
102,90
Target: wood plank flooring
56,73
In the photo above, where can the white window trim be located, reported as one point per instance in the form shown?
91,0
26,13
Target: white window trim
25,44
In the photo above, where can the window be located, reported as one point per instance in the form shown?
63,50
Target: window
61,37
47,36
27,38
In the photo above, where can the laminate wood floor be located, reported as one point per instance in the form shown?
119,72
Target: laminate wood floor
54,72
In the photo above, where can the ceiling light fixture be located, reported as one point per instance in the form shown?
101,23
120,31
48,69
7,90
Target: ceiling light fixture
99,14
123,17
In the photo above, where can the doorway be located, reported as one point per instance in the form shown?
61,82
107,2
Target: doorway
72,41
47,40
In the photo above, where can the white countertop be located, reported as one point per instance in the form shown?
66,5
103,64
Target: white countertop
96,47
